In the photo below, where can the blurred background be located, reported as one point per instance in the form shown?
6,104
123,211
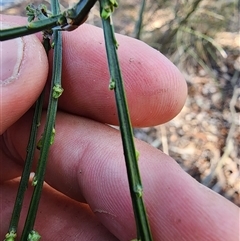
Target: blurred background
202,38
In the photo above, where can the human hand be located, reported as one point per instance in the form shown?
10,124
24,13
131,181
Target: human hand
87,195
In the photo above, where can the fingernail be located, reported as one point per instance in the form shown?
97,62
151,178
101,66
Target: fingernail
11,55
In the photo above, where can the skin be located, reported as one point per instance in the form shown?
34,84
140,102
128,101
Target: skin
86,195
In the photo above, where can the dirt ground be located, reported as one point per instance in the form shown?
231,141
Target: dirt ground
205,137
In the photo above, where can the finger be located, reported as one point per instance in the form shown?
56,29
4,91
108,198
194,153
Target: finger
156,91
86,163
60,218
23,72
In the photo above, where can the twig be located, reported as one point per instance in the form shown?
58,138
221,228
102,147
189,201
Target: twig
68,20
48,135
130,153
138,25
164,139
168,36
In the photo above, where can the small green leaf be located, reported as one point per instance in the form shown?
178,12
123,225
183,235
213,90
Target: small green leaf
114,3
138,190
112,84
30,12
108,8
70,14
34,181
43,9
30,9
33,236
116,43
52,136
10,236
57,91
106,12
39,144
31,18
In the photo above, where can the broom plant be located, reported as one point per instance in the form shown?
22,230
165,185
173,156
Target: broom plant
40,19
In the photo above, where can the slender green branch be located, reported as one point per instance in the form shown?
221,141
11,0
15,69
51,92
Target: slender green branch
68,20
131,156
27,167
48,136
138,25
12,230
31,28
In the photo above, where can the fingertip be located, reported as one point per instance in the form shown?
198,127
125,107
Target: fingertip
23,75
155,89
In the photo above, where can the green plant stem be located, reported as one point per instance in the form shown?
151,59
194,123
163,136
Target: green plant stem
31,28
27,166
46,143
48,134
138,25
68,20
29,158
135,185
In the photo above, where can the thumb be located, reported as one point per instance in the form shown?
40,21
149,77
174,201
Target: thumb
23,73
